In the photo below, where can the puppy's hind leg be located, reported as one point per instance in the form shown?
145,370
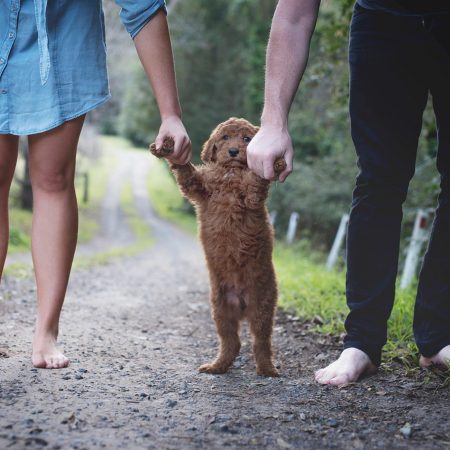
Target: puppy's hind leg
227,324
261,324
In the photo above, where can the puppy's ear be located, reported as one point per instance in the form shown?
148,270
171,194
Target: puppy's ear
209,150
255,130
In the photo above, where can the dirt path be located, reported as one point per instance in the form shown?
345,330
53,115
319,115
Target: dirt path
136,330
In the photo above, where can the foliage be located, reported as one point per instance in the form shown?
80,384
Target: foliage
20,230
139,118
220,55
166,198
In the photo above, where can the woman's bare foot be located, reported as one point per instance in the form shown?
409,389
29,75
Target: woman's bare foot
46,354
441,359
349,367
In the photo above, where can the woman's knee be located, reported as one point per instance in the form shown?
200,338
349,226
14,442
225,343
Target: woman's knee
51,180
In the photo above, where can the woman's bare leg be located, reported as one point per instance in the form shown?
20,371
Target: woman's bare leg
54,233
8,157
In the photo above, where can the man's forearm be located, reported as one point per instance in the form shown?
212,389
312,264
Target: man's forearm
155,52
287,55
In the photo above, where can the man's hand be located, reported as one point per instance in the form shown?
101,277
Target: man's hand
173,127
270,143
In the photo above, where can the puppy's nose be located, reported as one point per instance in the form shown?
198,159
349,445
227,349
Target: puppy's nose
233,152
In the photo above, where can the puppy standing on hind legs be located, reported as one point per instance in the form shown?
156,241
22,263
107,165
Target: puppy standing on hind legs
237,239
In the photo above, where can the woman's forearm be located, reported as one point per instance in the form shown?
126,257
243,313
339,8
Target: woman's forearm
155,52
287,55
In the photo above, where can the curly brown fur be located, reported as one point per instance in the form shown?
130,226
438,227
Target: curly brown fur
237,238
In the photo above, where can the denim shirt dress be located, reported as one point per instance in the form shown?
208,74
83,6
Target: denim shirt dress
53,59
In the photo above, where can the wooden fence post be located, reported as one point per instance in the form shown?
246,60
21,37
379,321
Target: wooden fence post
292,228
337,244
418,238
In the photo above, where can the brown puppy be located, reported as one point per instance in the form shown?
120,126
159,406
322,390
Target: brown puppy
237,239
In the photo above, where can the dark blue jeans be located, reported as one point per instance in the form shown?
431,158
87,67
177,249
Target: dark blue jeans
395,62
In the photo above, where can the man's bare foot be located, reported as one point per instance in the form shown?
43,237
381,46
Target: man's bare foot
46,354
441,359
349,367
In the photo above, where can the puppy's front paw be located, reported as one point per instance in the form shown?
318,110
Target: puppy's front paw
267,371
212,368
166,149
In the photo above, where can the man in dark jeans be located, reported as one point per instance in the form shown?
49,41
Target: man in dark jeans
399,52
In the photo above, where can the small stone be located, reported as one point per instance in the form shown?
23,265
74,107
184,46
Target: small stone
332,423
283,444
171,403
406,430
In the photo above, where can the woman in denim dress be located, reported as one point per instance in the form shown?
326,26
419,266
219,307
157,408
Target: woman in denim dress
52,72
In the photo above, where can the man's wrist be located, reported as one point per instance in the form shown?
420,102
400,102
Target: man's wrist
274,120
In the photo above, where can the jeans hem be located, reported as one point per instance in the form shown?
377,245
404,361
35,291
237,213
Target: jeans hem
373,354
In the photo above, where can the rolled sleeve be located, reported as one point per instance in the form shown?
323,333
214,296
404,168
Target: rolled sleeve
135,14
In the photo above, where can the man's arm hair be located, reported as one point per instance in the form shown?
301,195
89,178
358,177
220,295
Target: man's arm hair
287,55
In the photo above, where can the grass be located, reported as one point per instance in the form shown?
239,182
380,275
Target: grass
309,290
19,270
166,198
20,230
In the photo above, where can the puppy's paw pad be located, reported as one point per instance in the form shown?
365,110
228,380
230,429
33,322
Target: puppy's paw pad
165,150
267,372
211,368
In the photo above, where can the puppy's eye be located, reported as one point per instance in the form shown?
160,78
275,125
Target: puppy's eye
225,137
247,139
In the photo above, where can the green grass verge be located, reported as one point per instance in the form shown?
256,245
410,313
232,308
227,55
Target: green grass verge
309,290
166,198
19,270
19,230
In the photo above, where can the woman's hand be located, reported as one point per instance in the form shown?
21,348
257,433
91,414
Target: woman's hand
173,127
